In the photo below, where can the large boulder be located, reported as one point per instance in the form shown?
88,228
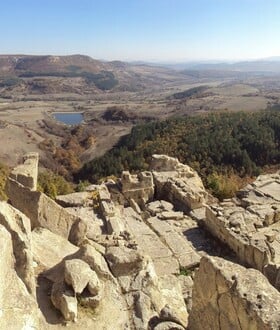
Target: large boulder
95,260
79,275
124,261
177,183
229,296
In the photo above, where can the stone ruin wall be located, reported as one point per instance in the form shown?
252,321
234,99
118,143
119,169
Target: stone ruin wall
250,226
139,275
42,211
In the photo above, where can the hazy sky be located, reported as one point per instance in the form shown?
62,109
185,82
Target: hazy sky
142,29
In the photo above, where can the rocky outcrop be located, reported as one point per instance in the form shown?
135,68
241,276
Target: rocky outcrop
18,308
39,208
177,183
27,173
139,188
250,225
82,282
146,293
122,255
110,213
229,296
76,279
18,225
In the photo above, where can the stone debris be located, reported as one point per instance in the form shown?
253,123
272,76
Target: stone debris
125,254
250,225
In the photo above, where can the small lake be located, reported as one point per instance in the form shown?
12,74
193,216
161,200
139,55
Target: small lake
69,118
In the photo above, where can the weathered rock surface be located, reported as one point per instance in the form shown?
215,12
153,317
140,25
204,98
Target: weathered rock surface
139,187
115,257
168,326
27,173
229,296
49,248
78,199
18,308
40,209
250,225
124,261
177,183
18,225
78,274
64,300
149,243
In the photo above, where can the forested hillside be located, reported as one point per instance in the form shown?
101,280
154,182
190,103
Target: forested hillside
225,148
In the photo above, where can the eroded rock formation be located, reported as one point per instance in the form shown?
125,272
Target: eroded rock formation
122,255
229,296
250,225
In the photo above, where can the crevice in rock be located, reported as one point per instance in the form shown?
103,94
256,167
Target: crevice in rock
22,264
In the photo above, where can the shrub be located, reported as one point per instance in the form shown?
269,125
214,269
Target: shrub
4,172
52,184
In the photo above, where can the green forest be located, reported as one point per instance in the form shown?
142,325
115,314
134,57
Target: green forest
105,80
227,149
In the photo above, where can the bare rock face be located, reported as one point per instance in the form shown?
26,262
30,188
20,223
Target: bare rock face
40,209
139,187
177,183
250,225
115,257
27,173
229,296
18,225
75,279
18,308
95,260
49,248
78,199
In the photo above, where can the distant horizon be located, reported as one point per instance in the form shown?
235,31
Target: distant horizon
163,61
143,30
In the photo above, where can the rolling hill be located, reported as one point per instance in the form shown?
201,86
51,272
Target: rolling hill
78,74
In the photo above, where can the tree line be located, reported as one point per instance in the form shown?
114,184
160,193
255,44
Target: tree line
220,146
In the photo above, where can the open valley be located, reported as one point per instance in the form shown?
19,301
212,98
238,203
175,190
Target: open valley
33,87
